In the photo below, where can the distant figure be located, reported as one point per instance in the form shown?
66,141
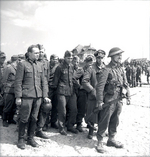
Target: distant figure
148,73
138,74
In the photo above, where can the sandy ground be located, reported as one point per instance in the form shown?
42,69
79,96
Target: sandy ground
133,132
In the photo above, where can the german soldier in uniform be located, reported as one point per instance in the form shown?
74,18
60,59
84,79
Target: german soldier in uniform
111,80
30,87
2,67
8,89
63,81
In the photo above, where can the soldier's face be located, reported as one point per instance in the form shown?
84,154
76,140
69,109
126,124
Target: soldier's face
2,60
89,64
35,52
117,58
68,60
75,63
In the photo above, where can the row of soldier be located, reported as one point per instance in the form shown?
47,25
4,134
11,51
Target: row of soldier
75,90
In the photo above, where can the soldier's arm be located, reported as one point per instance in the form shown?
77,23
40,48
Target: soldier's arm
101,81
44,84
18,80
6,75
56,78
86,81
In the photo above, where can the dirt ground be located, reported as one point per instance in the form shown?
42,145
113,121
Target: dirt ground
133,132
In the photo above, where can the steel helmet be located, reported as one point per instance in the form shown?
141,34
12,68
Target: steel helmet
115,51
46,107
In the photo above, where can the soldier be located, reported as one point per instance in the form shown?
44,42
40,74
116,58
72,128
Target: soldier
80,92
138,74
110,80
148,73
89,83
63,81
128,72
21,57
54,62
133,74
42,115
30,87
8,89
2,67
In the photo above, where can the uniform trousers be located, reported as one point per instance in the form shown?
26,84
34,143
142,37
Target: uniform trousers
69,103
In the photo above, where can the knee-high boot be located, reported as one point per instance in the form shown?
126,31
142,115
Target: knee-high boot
21,133
30,133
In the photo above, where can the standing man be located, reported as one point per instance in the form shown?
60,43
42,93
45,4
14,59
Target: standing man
8,89
63,81
138,74
54,62
128,73
30,88
111,80
2,67
42,115
133,74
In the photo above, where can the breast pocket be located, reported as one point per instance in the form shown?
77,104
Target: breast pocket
28,72
39,73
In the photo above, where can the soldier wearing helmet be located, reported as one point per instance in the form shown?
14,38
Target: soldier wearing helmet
110,83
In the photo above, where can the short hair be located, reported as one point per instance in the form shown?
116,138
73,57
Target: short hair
31,47
75,58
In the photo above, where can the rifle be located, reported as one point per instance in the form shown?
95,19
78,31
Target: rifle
96,110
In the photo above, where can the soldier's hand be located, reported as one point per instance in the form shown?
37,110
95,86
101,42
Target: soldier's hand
128,102
47,100
18,101
100,105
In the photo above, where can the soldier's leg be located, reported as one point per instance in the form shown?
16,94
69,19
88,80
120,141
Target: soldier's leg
72,113
7,110
24,114
61,113
54,112
32,121
113,124
81,108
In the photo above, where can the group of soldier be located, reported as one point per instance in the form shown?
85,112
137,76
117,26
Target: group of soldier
62,92
134,70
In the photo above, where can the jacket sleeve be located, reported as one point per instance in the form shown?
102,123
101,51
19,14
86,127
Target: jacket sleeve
18,80
56,78
86,81
5,76
101,81
44,84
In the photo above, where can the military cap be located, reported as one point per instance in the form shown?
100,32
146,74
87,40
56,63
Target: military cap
2,55
53,56
22,56
88,58
41,47
99,53
68,54
115,51
14,57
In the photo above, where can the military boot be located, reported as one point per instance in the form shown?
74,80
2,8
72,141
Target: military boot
30,133
21,133
79,127
5,120
100,147
90,134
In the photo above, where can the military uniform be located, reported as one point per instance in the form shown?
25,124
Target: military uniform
111,80
8,89
138,75
63,81
2,67
133,76
31,86
53,96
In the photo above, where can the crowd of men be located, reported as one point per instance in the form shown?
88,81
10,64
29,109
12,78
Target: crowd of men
134,70
62,92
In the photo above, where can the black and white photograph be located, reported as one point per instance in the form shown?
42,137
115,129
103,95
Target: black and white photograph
75,78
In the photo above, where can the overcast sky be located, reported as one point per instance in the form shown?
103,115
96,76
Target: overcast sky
62,25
